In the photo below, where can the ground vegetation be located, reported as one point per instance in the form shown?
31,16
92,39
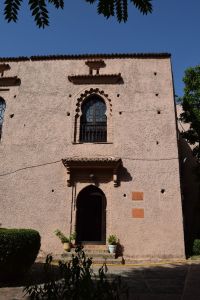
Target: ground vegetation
77,281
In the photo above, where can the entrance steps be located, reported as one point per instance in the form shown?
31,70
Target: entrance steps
102,256
97,247
98,255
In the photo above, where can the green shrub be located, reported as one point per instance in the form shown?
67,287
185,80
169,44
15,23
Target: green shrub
196,247
18,251
78,281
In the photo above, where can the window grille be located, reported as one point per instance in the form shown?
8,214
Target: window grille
93,125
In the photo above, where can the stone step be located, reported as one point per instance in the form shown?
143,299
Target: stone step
98,256
90,254
95,247
108,261
88,251
98,253
109,258
96,259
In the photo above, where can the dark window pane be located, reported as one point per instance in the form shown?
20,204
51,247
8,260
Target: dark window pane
93,127
2,110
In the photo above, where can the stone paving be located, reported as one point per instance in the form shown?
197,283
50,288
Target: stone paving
147,282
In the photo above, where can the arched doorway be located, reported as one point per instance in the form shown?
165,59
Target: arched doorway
91,215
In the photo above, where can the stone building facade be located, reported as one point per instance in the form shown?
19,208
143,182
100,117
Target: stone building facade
89,144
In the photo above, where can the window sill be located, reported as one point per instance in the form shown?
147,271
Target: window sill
90,143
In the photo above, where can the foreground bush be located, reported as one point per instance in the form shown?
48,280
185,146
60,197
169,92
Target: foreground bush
18,251
196,247
78,282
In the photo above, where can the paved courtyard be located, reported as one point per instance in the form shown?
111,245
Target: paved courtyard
145,282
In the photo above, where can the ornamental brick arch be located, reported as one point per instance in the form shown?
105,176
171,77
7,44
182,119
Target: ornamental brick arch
78,112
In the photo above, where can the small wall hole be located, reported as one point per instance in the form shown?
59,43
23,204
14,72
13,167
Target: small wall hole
68,114
157,142
120,112
162,191
155,73
124,195
15,96
157,94
70,95
118,95
11,116
24,125
52,191
158,112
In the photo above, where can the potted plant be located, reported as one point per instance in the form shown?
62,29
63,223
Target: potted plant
66,241
72,237
112,243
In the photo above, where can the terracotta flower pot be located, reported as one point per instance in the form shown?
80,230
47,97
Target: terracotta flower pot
67,247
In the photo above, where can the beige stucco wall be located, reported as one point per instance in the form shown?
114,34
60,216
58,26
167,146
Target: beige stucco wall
34,191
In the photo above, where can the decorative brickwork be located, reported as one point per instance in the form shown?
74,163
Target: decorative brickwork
138,213
137,196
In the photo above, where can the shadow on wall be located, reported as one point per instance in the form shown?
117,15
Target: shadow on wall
190,195
124,175
119,250
97,176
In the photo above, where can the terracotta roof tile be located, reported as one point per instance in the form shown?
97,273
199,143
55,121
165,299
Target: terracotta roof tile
86,56
19,58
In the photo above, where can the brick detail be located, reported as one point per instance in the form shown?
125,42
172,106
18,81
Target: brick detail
138,213
137,196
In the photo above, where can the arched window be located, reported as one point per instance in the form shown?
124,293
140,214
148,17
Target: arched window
93,123
2,110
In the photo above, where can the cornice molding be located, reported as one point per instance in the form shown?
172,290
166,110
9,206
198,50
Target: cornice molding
78,163
96,79
4,67
87,56
10,81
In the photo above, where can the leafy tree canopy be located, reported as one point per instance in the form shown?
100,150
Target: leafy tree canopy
191,108
108,8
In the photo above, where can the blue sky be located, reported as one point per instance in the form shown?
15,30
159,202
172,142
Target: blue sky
174,27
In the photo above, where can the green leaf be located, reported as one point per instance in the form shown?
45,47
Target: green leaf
108,8
11,9
144,6
57,3
119,8
39,12
191,108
